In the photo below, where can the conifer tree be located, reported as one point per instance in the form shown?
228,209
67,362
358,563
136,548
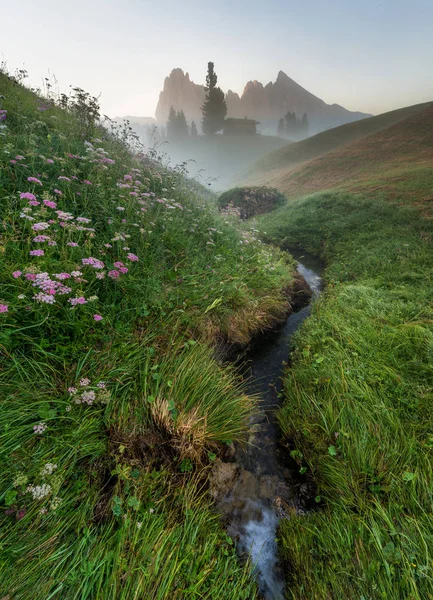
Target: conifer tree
281,127
182,130
171,124
194,132
214,109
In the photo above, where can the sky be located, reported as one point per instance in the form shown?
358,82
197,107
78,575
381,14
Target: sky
366,55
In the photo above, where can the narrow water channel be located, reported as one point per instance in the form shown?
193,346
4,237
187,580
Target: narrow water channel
265,486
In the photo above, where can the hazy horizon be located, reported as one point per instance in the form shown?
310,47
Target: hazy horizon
370,58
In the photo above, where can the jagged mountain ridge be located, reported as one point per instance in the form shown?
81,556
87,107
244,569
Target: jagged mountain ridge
265,103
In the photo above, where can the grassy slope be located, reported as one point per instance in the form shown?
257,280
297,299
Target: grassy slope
122,514
358,401
371,153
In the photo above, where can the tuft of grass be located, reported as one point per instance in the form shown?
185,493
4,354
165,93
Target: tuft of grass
357,400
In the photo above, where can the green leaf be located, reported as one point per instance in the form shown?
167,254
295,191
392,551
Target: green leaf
391,554
332,450
150,399
186,465
408,476
303,470
211,456
134,503
10,497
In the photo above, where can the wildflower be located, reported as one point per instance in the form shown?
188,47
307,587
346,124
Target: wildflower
44,298
84,381
50,204
34,180
52,243
82,220
132,257
72,244
21,297
87,182
41,238
94,262
39,428
30,276
76,273
50,161
3,114
108,245
40,226
120,207
37,253
4,308
88,397
113,274
63,178
78,300
101,385
72,390
48,469
93,298
62,276
16,274
118,264
20,479
100,275
39,491
123,270
97,317
139,524
58,192
55,503
27,196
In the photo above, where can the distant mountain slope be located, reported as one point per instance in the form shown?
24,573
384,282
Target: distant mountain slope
265,103
382,153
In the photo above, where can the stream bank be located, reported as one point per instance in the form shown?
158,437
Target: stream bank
262,484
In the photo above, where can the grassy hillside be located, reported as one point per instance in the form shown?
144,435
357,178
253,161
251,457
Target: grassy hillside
116,279
220,157
358,398
383,153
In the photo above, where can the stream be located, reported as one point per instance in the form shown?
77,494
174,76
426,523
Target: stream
261,485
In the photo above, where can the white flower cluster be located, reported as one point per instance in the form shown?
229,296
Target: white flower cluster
39,491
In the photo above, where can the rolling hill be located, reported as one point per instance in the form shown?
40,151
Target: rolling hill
391,153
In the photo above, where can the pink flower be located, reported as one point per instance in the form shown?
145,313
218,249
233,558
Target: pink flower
30,276
16,274
40,226
34,180
63,178
27,196
49,161
19,157
94,262
41,238
97,317
87,182
123,270
113,274
37,253
13,162
50,204
34,203
4,308
62,276
132,257
58,192
79,300
118,264
72,244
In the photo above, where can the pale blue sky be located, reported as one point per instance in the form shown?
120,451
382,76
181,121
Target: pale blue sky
364,54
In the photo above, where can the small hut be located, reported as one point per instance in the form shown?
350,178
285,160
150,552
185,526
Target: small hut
240,126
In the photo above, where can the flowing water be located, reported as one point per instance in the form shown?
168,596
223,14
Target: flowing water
263,485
